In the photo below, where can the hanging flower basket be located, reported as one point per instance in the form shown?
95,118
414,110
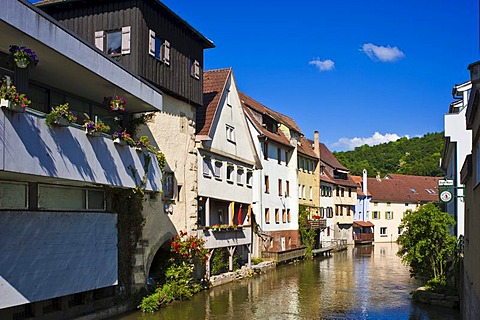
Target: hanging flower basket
116,103
122,138
23,56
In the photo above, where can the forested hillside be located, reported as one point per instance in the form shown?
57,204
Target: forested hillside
416,156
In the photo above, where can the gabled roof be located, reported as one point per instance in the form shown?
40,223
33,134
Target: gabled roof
214,82
207,43
260,108
327,157
248,104
404,188
359,181
305,147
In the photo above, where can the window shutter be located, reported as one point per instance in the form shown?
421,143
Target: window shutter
126,40
166,52
197,69
99,39
151,43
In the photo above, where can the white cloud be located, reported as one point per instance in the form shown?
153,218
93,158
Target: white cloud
326,65
345,144
384,54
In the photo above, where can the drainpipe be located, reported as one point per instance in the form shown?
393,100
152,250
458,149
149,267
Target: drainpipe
365,192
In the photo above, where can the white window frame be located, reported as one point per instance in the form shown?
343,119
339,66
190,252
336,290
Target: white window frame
86,202
240,173
195,69
229,173
230,131
249,178
383,232
388,215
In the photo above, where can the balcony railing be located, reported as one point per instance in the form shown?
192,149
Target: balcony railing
28,146
317,224
225,238
363,237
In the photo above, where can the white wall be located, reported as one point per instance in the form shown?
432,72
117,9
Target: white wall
392,225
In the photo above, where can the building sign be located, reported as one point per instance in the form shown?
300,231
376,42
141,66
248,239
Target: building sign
445,190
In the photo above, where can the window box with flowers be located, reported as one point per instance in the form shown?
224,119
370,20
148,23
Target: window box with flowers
123,138
11,99
142,144
60,116
116,103
95,129
23,56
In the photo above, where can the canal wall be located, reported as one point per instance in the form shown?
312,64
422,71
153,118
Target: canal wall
244,272
423,295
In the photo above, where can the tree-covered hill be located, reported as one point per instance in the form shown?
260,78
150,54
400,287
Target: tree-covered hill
416,156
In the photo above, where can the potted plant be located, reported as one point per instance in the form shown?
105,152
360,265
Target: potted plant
123,138
116,103
11,99
23,56
60,116
142,144
95,129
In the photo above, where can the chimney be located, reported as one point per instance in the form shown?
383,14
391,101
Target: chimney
364,182
474,72
378,176
316,143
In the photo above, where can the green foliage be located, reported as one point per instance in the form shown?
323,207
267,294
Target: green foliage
61,111
179,283
307,235
220,261
416,156
426,244
257,260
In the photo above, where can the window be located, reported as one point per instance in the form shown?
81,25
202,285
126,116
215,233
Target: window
376,214
299,191
168,184
337,210
342,192
280,193
322,191
217,173
284,216
375,204
383,231
349,192
400,231
229,98
389,215
240,173
267,185
322,212
277,215
265,150
13,195
279,156
195,69
114,42
289,217
70,198
286,157
207,166
349,210
249,178
159,48
267,215
338,191
389,204
230,133
304,192
329,212
230,169
310,194
287,188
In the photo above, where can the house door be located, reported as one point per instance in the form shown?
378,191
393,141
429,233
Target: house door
282,241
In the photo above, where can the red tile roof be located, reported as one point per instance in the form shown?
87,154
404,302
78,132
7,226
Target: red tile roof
250,104
305,147
327,157
404,188
214,82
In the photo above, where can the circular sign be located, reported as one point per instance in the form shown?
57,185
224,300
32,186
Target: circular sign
445,196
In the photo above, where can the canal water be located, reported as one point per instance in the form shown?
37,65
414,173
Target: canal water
367,282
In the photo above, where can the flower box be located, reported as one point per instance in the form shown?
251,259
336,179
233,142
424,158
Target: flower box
61,122
7,104
22,64
93,133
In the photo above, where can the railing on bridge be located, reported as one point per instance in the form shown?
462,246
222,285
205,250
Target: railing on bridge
317,224
335,244
284,256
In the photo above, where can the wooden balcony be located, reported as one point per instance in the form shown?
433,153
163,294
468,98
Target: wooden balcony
225,238
317,224
361,238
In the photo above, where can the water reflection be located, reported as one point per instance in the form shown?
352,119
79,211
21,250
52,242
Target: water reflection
366,282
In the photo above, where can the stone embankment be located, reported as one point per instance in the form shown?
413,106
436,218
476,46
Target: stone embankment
244,272
438,299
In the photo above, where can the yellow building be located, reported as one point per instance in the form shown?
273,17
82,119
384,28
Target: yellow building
308,175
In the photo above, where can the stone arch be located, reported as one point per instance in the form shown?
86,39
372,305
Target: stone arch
154,249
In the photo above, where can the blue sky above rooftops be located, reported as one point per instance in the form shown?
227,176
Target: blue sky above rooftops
357,71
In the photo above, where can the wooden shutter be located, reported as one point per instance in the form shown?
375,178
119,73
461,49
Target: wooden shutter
99,35
166,52
151,43
126,39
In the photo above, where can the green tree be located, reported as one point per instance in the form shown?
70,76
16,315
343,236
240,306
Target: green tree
426,244
307,234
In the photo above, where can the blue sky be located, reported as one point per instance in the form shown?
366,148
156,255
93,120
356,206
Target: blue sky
372,70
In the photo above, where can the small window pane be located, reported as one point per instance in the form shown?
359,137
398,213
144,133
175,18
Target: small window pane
13,195
96,200
114,43
158,45
59,198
